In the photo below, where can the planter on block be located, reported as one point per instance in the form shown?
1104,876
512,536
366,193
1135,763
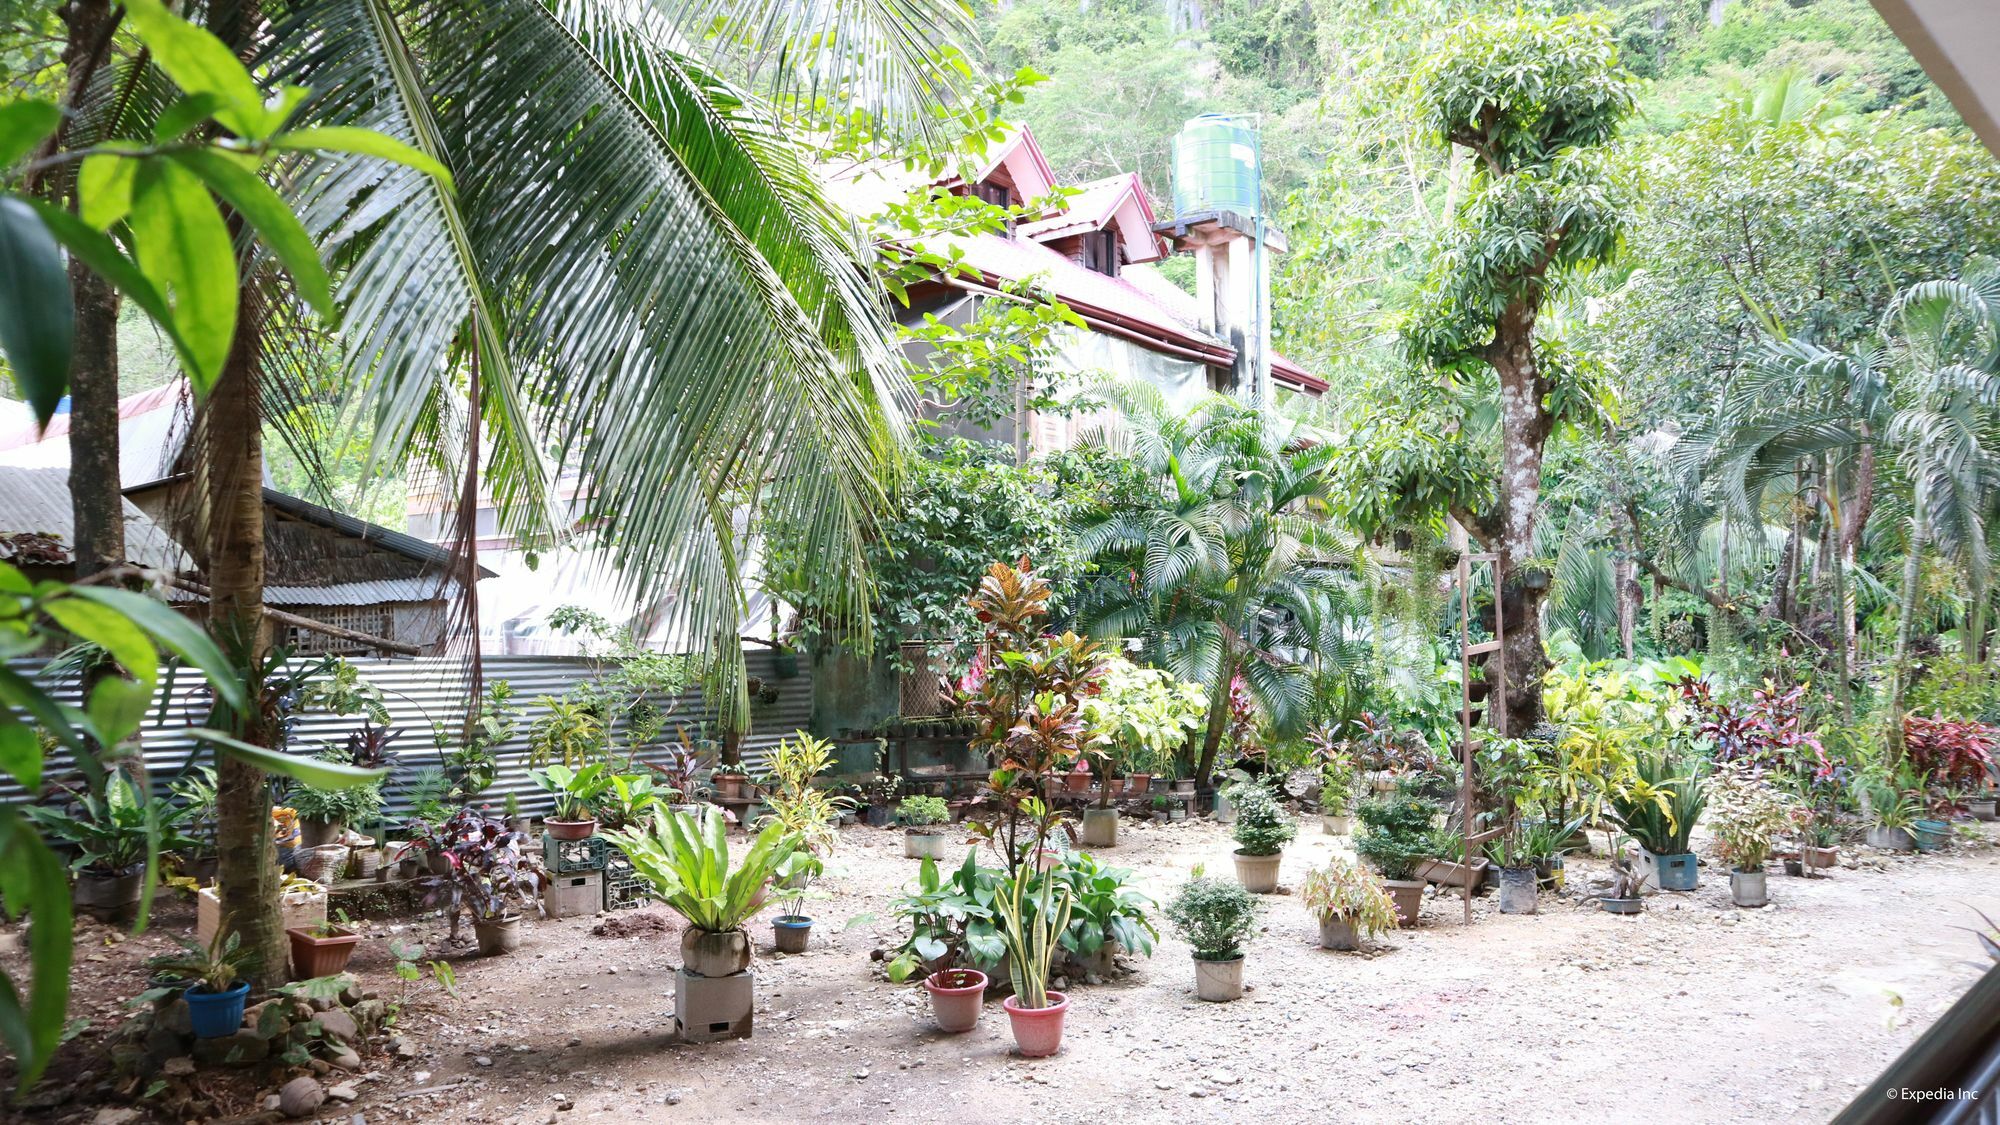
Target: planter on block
570,829
956,998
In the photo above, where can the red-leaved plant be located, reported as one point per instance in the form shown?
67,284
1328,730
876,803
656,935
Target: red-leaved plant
1951,755
1768,732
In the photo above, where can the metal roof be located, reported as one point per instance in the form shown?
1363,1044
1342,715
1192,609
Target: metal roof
38,501
397,541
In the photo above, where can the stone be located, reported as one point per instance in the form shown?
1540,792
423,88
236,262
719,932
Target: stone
481,1060
244,1048
344,1058
370,1013
180,1066
176,1018
163,1044
300,1097
115,1115
402,1048
345,1092
339,1025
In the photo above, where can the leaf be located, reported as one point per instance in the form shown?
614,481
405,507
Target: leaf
32,881
104,188
307,771
178,118
183,248
361,142
23,125
117,707
37,322
263,209
20,752
200,63
103,256
109,630
176,633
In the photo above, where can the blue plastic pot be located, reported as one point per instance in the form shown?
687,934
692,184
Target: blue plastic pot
1930,834
216,1015
1678,872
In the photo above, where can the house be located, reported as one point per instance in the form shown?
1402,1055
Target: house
366,587
1957,43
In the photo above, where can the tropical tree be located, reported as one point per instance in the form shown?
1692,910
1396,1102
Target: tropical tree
1234,568
1529,98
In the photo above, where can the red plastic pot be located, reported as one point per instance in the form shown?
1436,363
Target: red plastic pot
1038,1031
956,997
571,829
320,956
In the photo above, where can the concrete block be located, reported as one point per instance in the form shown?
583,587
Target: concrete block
574,894
711,1009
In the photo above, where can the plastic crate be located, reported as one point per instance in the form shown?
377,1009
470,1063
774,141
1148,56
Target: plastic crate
564,856
623,889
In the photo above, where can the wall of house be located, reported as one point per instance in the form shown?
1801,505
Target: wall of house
1096,358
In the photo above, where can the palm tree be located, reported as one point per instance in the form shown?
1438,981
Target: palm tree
633,274
1234,570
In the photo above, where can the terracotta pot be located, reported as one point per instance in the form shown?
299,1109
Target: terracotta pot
789,932
709,954
1337,932
1218,982
1100,828
1076,782
109,898
1748,888
497,935
1139,784
1038,1031
320,956
957,996
570,829
1258,873
926,843
1821,857
1408,894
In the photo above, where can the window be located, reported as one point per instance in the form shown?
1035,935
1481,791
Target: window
1100,252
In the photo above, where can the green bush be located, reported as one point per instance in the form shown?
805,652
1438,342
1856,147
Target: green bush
918,811
352,807
1215,916
1262,828
1396,831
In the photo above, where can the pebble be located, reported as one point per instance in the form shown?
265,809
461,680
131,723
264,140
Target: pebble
300,1097
481,1060
345,1092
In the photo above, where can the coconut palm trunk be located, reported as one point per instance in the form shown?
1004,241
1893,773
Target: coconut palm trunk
1906,618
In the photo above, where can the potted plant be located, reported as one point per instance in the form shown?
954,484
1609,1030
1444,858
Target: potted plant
1215,916
1161,807
1444,852
1349,902
686,860
1746,815
1262,830
1519,887
1892,812
576,792
1628,884
807,815
487,873
1821,849
195,789
1394,838
1657,806
729,780
954,939
109,832
322,949
1137,719
326,814
214,994
957,997
1336,780
926,825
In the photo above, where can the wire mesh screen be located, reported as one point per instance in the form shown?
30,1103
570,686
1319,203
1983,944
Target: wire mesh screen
925,682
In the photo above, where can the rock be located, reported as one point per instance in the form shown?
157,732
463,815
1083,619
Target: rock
339,1025
351,994
673,1097
345,1092
344,1058
271,1102
370,1013
175,1017
402,1048
115,1115
180,1066
481,1060
300,1097
241,1049
163,1044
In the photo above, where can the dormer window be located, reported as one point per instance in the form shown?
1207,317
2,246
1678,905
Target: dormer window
1100,252
996,194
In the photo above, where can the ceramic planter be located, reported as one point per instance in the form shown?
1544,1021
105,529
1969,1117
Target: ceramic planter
1453,874
216,1015
1333,824
570,829
321,956
1258,873
1218,982
790,931
1820,857
1100,828
957,996
1930,835
109,898
710,954
1338,933
1517,890
1891,839
497,935
1408,895
925,843
1676,872
1748,888
1038,1031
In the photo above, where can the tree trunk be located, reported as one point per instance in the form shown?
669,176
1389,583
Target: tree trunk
231,476
1524,430
1843,615
1906,619
1218,717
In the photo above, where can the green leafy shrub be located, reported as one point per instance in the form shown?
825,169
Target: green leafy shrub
1215,916
355,805
1262,828
1396,831
921,811
1341,889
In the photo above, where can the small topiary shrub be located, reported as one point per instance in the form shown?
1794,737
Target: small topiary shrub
1396,831
1261,825
1214,915
919,811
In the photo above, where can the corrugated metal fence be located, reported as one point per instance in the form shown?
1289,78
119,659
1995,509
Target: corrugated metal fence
431,690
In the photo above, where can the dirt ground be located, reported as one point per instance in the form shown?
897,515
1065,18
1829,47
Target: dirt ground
1695,1011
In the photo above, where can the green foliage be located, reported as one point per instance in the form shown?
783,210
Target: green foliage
918,811
1141,717
1214,915
686,861
952,921
1395,833
1103,906
353,805
1261,828
807,815
212,968
576,791
118,831
1746,815
1341,889
570,731
1660,803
